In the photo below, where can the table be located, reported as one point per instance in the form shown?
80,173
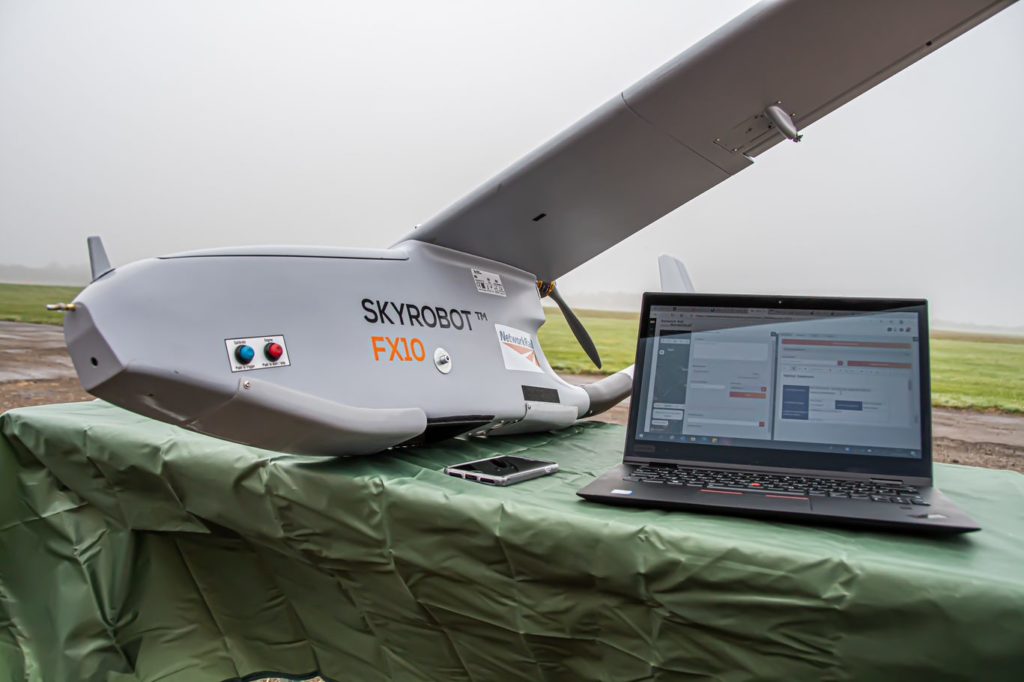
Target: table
134,550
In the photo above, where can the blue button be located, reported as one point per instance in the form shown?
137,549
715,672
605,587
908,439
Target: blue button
245,354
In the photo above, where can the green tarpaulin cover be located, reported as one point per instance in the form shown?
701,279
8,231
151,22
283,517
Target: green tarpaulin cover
133,550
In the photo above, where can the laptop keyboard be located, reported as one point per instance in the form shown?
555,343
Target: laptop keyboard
748,481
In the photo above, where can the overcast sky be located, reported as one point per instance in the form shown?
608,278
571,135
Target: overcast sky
167,126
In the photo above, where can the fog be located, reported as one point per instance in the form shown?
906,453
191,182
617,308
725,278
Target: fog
167,126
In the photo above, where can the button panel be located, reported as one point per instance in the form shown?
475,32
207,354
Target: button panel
263,352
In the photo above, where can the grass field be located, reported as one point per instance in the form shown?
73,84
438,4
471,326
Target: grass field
968,371
27,303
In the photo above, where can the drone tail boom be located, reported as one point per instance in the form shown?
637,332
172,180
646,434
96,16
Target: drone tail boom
609,392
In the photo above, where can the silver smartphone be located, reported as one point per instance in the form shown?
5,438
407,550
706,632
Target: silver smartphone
503,470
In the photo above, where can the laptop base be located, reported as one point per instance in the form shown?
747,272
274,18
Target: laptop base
938,517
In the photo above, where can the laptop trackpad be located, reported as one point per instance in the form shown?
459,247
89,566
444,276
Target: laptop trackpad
754,500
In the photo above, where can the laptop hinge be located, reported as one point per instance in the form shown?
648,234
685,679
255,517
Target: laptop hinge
887,481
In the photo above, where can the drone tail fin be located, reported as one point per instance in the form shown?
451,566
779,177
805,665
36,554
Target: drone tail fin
674,277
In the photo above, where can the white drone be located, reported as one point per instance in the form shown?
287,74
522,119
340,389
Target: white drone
352,351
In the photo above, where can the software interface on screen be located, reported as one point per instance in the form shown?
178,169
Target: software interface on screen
806,380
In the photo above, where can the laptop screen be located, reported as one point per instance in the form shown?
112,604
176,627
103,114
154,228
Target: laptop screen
808,384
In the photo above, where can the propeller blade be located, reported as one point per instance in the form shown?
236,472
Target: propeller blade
578,330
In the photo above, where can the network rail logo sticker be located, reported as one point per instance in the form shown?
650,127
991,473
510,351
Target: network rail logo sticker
518,349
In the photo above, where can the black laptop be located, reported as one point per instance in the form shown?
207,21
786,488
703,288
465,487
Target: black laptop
815,409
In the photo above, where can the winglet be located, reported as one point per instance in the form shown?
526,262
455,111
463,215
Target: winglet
674,277
98,261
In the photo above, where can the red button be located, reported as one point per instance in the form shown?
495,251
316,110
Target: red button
273,351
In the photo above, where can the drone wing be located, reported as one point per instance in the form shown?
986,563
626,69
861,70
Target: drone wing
691,124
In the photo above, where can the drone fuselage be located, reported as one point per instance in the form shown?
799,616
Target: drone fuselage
415,327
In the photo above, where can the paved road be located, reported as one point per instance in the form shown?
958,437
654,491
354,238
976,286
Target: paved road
30,352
